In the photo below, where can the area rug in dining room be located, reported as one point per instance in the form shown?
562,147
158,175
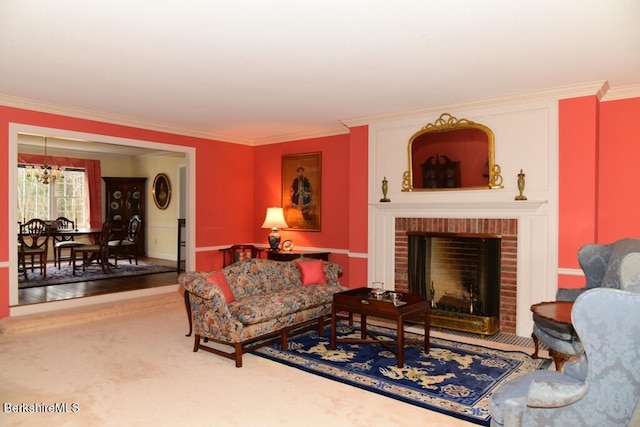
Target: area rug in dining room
64,274
455,378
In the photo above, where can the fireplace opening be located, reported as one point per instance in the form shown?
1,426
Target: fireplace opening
459,275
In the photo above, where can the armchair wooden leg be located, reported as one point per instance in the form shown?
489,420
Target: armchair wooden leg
196,342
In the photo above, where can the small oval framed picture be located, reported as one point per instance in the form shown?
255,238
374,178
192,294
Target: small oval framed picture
161,191
287,245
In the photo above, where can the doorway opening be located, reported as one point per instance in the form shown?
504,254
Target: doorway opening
113,143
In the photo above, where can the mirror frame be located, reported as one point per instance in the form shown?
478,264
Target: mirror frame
447,122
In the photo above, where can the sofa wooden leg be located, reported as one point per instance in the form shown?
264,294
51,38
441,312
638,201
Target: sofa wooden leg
238,347
283,339
187,304
321,325
196,342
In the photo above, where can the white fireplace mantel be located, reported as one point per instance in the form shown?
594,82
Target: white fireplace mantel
513,206
535,261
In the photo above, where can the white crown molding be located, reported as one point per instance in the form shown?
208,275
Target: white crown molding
30,104
599,89
622,92
318,133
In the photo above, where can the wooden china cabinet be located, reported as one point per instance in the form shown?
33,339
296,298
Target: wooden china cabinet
126,197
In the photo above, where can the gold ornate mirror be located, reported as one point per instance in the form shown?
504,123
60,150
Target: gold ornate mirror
451,154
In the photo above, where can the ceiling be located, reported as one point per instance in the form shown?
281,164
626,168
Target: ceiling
256,71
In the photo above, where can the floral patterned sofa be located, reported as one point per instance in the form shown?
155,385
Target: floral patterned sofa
256,302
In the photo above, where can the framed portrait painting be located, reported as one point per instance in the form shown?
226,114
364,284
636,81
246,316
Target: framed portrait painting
161,191
302,191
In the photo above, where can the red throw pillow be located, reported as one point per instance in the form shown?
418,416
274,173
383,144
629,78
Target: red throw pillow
312,273
220,281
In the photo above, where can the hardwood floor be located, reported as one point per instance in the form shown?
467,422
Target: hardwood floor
98,287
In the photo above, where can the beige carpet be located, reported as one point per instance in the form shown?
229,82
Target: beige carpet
138,369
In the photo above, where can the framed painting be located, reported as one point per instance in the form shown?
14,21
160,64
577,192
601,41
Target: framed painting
161,191
302,191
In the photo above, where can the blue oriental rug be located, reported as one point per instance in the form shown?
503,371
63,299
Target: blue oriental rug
455,378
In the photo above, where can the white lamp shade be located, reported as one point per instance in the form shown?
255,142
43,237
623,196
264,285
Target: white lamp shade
275,219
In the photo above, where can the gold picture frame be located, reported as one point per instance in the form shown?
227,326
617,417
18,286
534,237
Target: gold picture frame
302,191
161,191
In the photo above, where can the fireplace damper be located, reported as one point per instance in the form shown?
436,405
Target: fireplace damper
459,275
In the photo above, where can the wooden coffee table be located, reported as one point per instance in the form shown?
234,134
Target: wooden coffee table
555,315
361,301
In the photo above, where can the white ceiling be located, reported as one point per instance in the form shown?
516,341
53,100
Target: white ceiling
254,71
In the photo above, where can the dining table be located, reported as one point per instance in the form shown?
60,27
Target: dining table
92,231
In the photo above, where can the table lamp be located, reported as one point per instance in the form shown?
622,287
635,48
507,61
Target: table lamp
274,220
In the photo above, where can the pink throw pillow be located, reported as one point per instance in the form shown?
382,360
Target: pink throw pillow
312,273
220,281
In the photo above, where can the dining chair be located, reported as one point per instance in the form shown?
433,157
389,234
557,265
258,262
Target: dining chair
127,246
33,242
98,251
61,242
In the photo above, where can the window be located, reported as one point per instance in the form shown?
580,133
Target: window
66,197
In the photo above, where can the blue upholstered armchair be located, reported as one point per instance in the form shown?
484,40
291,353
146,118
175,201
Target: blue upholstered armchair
602,268
601,388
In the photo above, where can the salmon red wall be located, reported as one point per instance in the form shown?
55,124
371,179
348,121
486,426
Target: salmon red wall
578,120
358,207
619,162
344,197
267,181
599,157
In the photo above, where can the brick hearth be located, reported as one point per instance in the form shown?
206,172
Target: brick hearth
506,228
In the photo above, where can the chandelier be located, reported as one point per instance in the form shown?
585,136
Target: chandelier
45,173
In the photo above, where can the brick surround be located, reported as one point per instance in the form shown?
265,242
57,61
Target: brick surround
506,228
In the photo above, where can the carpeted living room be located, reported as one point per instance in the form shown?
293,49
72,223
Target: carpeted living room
422,184
131,364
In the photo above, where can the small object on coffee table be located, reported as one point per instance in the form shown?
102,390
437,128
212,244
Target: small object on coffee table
377,293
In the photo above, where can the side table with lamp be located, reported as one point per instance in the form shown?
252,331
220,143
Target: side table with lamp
274,220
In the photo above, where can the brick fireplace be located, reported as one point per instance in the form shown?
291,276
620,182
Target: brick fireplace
506,228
